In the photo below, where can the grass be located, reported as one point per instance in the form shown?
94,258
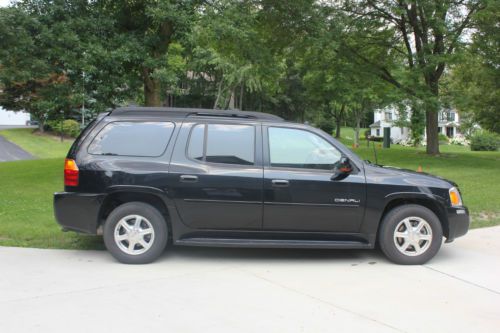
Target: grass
26,215
39,145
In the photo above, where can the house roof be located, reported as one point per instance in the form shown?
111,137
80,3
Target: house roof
375,124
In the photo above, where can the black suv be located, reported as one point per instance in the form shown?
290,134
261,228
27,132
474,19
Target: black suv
145,177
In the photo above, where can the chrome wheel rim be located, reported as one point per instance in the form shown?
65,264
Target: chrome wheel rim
134,234
413,236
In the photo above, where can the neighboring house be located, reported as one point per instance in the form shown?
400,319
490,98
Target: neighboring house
13,118
448,124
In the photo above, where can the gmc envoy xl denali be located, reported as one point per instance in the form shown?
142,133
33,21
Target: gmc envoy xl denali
146,177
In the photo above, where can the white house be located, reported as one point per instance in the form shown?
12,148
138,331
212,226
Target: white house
448,124
13,118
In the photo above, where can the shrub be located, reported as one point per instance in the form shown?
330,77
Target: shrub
367,134
376,138
442,138
459,140
484,141
327,125
70,127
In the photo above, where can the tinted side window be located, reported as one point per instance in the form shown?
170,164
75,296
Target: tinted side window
227,144
132,139
294,148
195,147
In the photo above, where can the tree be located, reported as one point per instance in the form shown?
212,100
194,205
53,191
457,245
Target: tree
34,71
148,29
426,34
50,45
474,83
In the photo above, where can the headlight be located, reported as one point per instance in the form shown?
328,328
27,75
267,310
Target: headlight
455,198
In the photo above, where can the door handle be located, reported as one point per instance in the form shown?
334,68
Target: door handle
189,178
280,183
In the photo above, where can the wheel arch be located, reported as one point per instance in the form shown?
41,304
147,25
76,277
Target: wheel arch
431,202
123,194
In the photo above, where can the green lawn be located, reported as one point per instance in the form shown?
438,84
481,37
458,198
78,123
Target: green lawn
39,145
26,216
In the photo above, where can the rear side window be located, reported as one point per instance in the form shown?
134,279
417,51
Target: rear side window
148,139
226,144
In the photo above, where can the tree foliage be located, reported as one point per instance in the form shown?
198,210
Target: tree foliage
327,62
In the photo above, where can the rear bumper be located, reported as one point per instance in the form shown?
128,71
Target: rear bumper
77,211
458,222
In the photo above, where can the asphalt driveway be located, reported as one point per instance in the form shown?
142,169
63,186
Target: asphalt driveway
253,290
10,151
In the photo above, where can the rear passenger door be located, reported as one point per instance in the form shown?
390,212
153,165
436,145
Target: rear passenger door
217,175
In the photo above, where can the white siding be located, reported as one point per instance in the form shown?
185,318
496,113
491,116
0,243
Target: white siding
13,118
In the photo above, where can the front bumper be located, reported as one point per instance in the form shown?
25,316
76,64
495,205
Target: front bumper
458,222
78,211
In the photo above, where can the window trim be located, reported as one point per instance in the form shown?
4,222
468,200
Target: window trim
267,163
205,136
133,121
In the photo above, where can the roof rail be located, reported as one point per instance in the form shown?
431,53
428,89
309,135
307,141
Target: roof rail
194,112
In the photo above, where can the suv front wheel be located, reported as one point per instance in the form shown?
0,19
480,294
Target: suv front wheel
135,233
410,235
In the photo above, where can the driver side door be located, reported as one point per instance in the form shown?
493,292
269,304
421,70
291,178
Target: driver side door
299,194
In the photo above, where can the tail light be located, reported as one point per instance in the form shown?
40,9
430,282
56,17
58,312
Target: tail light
70,173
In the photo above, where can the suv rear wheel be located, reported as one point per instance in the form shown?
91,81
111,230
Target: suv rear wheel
410,235
135,233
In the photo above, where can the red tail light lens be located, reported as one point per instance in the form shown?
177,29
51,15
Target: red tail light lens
70,173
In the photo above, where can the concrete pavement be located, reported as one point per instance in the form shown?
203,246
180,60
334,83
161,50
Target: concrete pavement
253,290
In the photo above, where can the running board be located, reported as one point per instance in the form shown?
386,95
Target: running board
273,243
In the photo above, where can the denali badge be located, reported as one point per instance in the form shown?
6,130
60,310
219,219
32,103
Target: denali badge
343,200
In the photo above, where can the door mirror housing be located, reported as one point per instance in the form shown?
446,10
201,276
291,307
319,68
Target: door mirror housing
342,169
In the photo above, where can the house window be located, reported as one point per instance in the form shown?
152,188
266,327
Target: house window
451,116
388,115
378,132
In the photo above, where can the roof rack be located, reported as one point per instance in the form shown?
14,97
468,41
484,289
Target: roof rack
194,112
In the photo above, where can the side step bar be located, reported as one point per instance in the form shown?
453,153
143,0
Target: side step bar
273,243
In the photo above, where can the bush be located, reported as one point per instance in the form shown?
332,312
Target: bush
459,140
367,134
327,125
442,138
484,141
376,138
70,127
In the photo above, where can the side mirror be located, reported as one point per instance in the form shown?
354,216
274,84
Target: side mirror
342,169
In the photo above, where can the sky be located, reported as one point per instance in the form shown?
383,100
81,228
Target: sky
4,3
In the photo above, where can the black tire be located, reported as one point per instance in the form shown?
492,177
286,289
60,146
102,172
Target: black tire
158,239
388,242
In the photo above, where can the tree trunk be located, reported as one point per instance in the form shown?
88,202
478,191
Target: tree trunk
431,120
338,121
41,125
242,91
219,93
337,127
356,132
151,89
231,100
431,117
